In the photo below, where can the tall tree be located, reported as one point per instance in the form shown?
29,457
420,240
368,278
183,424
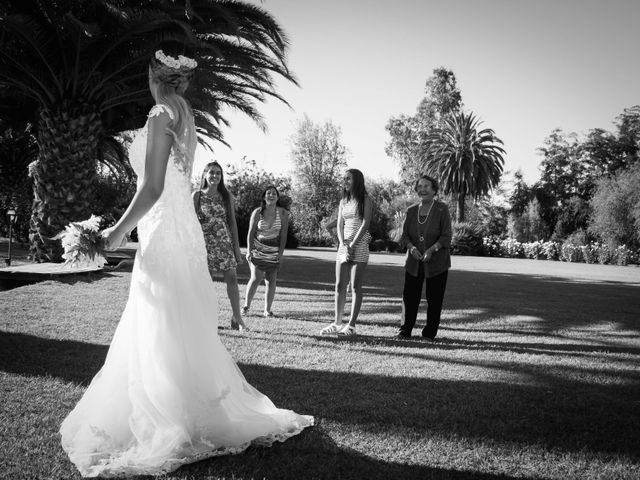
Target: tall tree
615,207
521,194
408,133
467,160
320,158
77,71
628,123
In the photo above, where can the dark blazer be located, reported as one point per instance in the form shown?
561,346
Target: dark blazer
436,229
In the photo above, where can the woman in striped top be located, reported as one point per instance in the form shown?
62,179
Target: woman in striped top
266,240
354,215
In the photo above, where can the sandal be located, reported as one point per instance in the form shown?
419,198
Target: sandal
331,329
267,314
347,331
244,310
239,326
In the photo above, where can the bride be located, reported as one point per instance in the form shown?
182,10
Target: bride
168,393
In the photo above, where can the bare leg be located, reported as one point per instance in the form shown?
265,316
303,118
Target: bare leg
270,282
252,286
231,279
342,280
357,276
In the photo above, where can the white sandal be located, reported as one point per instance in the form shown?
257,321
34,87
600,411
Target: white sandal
347,331
331,329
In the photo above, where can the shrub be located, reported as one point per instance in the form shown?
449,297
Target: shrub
616,208
590,253
622,255
571,250
551,250
393,246
533,250
377,245
466,239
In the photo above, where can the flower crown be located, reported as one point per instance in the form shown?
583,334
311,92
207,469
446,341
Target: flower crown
176,63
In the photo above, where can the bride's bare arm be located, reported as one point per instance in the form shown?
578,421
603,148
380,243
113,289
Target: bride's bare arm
159,143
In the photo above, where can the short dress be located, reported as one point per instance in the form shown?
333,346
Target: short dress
213,218
352,222
266,244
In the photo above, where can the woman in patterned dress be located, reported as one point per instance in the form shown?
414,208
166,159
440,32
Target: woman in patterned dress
354,216
216,211
266,240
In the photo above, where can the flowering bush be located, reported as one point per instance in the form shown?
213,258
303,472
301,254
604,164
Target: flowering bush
571,250
533,250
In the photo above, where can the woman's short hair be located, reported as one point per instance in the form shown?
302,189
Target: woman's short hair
434,183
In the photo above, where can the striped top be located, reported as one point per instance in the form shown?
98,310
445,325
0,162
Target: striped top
268,232
266,244
352,222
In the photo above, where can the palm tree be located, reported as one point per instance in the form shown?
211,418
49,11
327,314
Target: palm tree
466,160
77,71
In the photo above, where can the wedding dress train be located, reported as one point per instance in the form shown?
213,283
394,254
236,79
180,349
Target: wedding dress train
169,392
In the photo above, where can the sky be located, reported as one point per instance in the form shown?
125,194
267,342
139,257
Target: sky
523,67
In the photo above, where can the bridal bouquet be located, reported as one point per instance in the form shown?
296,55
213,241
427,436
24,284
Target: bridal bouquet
83,245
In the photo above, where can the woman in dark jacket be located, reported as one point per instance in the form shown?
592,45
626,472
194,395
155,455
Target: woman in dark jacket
426,234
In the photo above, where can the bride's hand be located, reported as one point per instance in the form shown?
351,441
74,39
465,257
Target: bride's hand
113,239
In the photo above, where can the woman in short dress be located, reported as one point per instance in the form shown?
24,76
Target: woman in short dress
216,210
266,240
354,216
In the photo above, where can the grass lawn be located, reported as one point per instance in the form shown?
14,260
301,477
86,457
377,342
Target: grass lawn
535,375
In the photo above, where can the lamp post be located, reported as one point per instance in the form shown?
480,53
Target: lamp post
11,213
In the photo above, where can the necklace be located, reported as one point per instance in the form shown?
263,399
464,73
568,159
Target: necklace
425,218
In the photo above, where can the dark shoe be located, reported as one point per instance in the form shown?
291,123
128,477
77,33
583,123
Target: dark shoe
427,337
403,334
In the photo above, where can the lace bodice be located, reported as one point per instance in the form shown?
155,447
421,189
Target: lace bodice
171,223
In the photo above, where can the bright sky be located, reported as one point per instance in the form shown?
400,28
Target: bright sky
524,68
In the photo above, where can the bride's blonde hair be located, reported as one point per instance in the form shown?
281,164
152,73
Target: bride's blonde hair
172,77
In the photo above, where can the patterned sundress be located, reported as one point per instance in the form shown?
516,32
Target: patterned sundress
213,218
352,222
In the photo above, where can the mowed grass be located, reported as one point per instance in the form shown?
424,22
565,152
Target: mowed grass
535,374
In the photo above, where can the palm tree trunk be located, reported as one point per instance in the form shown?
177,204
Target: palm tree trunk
64,174
460,212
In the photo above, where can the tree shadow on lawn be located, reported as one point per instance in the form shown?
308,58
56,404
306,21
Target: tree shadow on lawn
443,343
315,455
475,297
552,411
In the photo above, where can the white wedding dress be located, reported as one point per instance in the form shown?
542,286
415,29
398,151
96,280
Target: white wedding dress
169,393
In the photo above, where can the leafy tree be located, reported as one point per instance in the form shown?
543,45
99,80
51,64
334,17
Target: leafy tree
529,226
628,123
408,143
384,194
521,195
17,151
77,71
320,158
467,160
616,208
573,216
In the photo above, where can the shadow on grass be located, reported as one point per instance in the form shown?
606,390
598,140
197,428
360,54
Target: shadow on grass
317,456
477,297
549,410
443,343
